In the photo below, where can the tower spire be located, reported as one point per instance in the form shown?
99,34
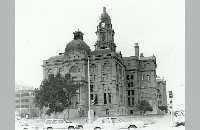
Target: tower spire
104,9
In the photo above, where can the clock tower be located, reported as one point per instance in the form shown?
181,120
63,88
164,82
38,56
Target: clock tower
105,33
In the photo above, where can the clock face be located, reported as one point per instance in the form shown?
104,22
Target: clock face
103,25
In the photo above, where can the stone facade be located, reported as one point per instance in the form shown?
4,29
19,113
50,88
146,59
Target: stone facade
116,82
161,92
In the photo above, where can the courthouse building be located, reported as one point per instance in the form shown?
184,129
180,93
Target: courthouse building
116,82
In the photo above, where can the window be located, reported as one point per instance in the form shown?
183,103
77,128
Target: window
129,102
132,92
109,97
24,94
17,95
128,92
93,68
131,76
148,78
60,121
103,37
131,111
105,99
115,120
74,69
17,106
129,84
107,119
17,101
132,100
127,77
91,96
25,100
96,99
91,88
142,77
54,122
26,106
48,122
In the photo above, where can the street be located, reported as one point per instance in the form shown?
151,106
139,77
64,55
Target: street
155,122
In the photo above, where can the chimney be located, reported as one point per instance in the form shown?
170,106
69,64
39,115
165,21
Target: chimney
136,50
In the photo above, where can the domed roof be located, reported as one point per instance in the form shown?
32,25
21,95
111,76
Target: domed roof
77,44
104,16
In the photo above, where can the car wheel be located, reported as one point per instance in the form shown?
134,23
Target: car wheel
49,128
81,127
132,127
25,129
97,128
71,128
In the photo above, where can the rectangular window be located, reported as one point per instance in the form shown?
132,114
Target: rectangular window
132,100
17,101
127,77
131,84
132,92
24,94
91,96
131,111
26,106
131,76
17,106
129,102
17,95
109,97
128,92
25,100
142,77
105,99
91,88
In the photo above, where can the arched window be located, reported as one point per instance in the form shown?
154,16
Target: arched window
74,69
93,68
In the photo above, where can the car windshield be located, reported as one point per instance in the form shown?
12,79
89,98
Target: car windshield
68,121
115,120
48,122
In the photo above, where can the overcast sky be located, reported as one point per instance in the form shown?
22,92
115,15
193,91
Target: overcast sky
44,27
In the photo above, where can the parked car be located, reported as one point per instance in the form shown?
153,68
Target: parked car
113,123
179,118
57,124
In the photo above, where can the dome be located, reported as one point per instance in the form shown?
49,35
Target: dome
77,44
104,16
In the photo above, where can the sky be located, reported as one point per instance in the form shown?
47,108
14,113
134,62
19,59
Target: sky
43,28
